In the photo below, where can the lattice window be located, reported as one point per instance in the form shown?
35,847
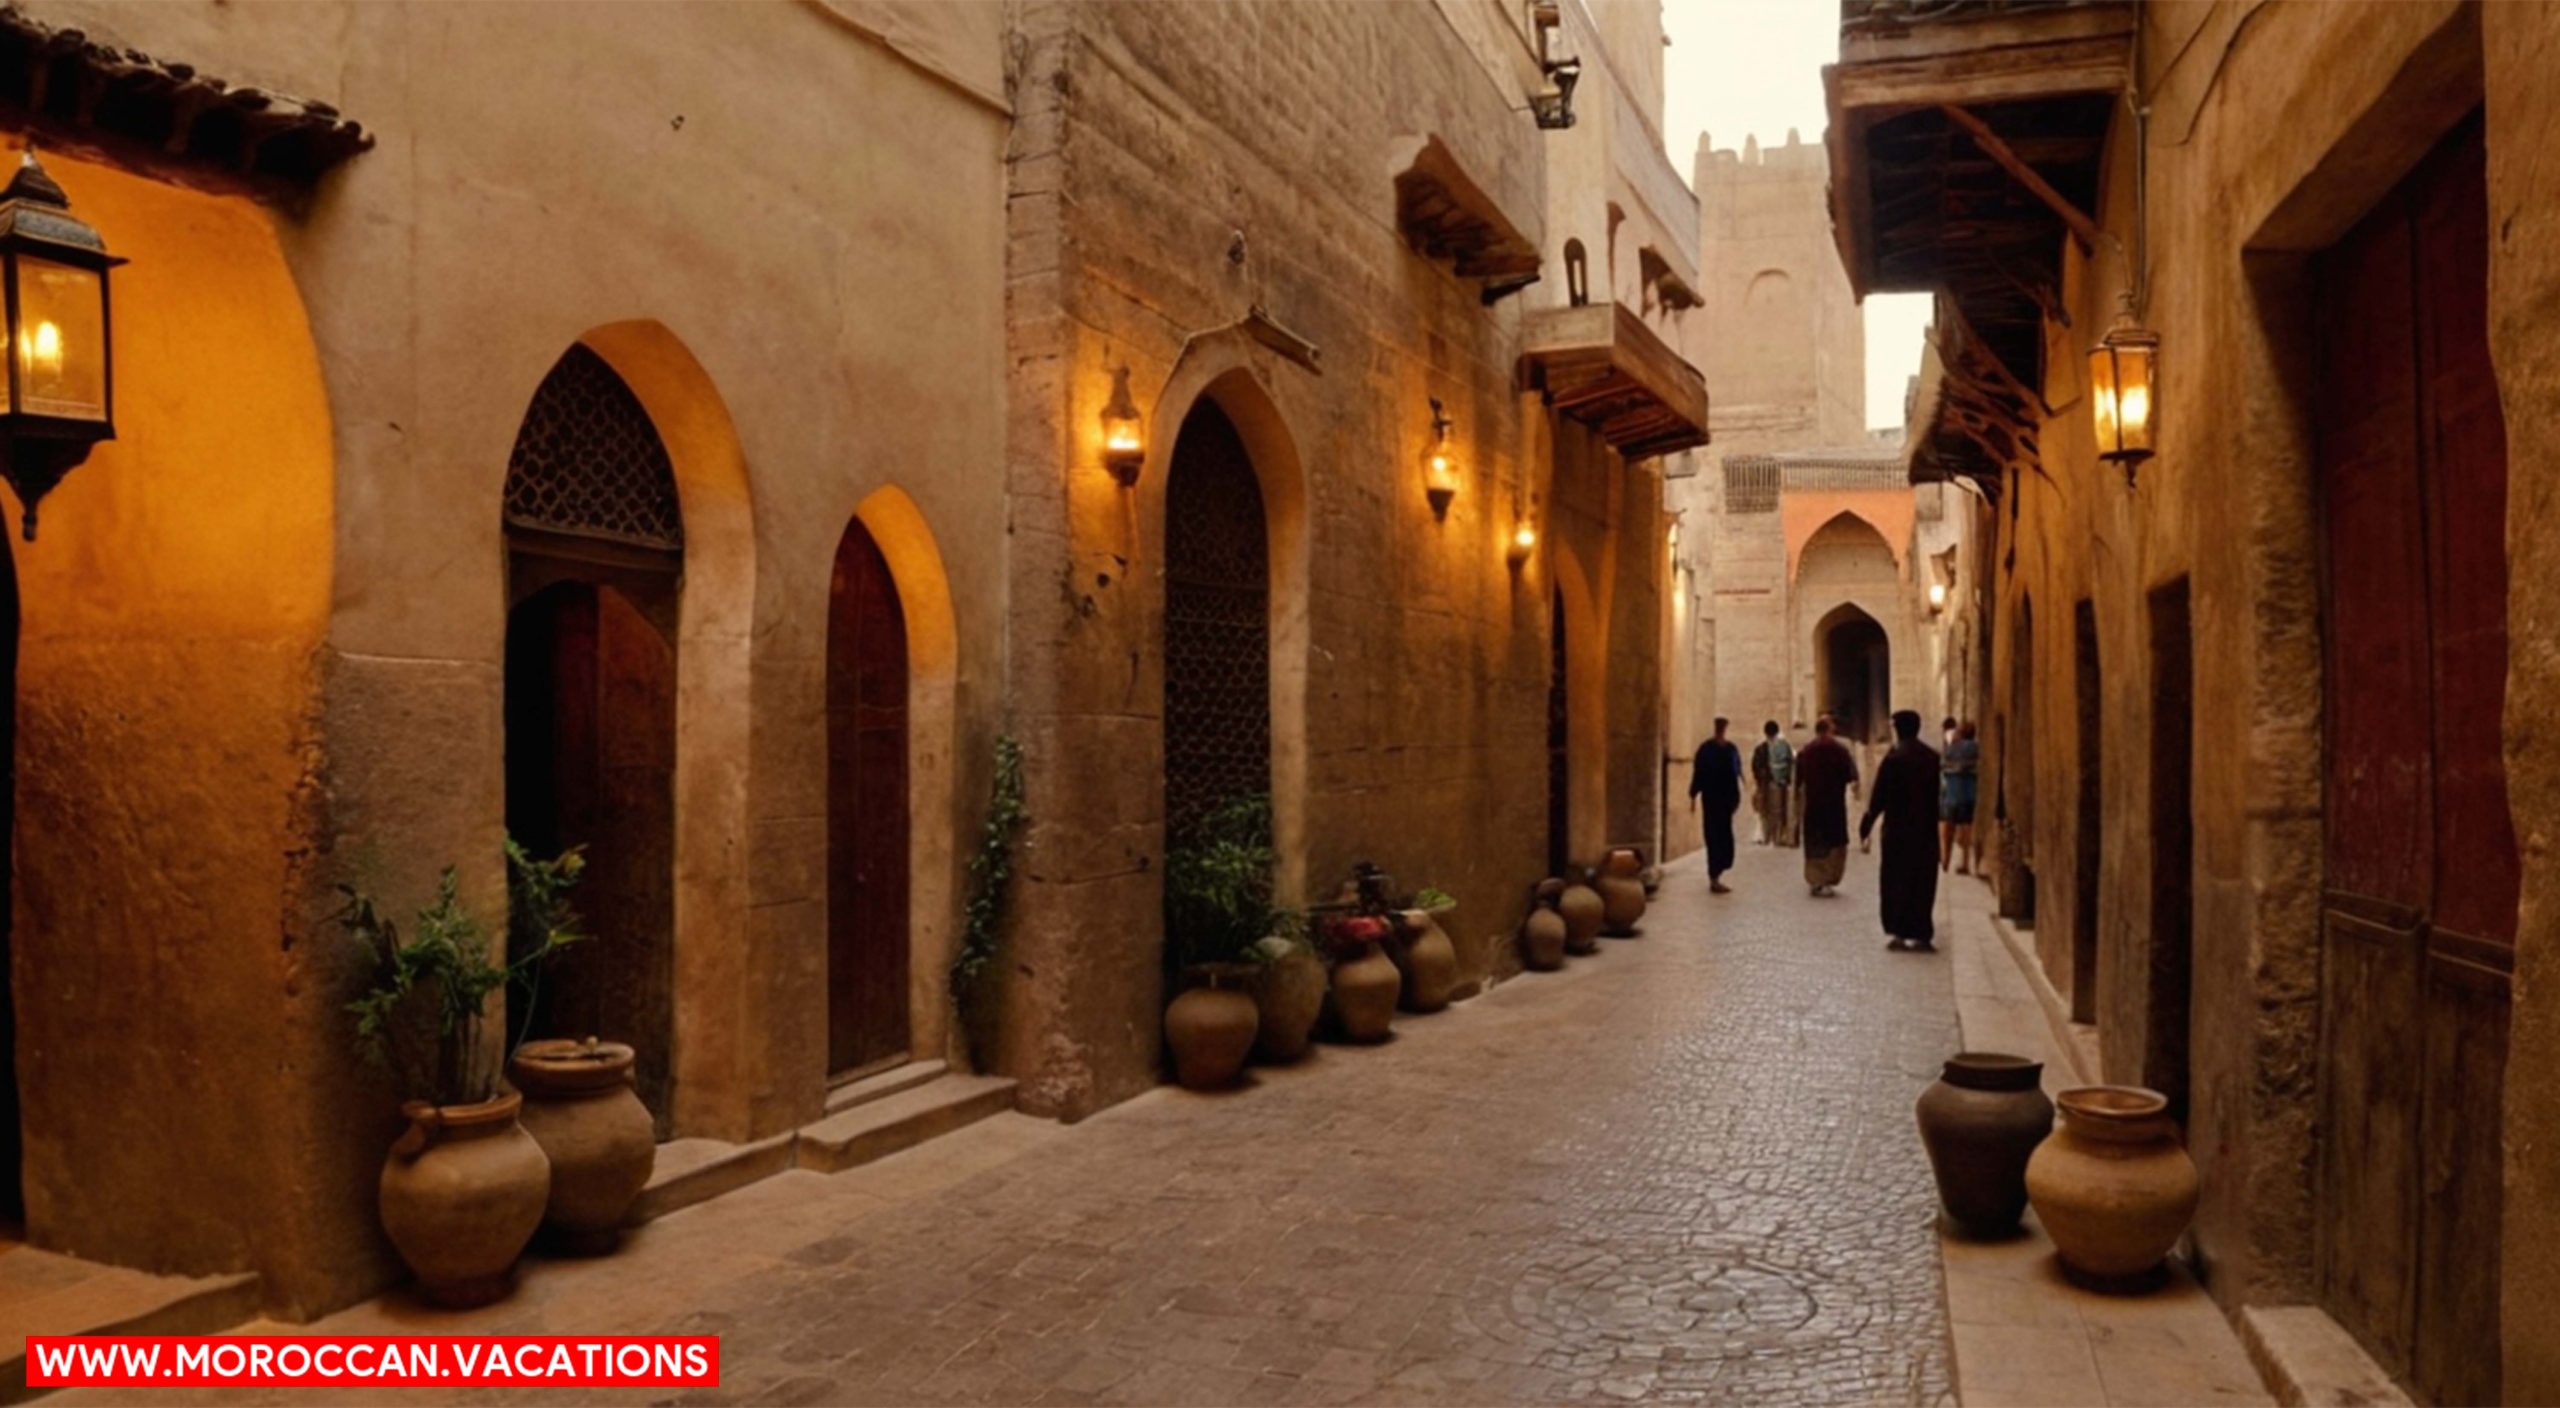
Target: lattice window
1751,484
588,461
1217,626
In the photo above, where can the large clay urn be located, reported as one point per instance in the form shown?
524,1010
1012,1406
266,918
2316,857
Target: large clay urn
461,1194
1980,1121
2113,1185
1211,1028
1365,985
580,1107
1288,996
1621,892
1429,963
1584,912
1542,934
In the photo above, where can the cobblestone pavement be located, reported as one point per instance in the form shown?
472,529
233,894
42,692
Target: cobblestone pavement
1683,1170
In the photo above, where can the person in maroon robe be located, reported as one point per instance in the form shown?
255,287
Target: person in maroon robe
1905,796
1825,771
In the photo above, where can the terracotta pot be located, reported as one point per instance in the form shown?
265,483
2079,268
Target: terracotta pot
1621,893
2113,1186
580,1107
462,1192
1288,996
1428,963
1363,1000
1980,1122
1211,1029
1584,912
1542,937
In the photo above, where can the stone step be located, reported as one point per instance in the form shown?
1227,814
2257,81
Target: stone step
882,1127
867,1119
886,1083
43,1293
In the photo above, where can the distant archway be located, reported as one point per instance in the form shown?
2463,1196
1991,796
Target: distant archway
1853,668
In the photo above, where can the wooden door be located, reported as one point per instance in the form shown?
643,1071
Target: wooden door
2169,973
2420,853
590,700
867,933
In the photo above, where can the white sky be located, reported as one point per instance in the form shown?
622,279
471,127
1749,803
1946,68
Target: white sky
1754,67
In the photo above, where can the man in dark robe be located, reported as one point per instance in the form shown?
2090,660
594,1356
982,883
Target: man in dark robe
1905,795
1715,778
1825,771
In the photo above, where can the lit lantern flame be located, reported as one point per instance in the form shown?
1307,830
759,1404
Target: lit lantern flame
2121,399
43,352
1124,437
1937,595
1439,465
1524,540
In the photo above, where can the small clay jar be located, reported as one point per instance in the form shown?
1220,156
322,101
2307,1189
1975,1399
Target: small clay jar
1542,934
1364,994
1428,964
2113,1185
1288,996
1980,1121
1621,893
1584,912
1211,1029
461,1193
580,1107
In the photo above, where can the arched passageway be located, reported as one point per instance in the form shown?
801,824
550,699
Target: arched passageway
868,953
595,554
1854,664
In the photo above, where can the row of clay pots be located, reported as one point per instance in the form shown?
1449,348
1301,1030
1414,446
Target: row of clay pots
1569,917
570,1148
2112,1184
1270,1012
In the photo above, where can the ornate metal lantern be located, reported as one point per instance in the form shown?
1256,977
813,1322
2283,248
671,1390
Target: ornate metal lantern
2123,395
1124,436
61,387
1439,464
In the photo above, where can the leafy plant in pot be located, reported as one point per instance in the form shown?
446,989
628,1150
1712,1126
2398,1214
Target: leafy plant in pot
1218,910
464,1187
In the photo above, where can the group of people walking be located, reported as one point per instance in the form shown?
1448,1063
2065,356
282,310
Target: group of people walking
1924,801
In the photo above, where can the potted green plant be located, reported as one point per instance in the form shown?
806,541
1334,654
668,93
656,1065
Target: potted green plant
1218,910
464,1187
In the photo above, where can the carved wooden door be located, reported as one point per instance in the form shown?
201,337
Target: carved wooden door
2421,872
867,911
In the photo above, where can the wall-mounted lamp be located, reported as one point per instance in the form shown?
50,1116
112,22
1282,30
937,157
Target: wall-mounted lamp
1937,596
1553,108
61,382
1124,437
1439,464
1674,537
1524,541
2122,393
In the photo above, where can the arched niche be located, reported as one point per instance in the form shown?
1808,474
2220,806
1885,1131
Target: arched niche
1853,672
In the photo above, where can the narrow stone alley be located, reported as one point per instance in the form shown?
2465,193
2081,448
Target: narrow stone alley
1681,1170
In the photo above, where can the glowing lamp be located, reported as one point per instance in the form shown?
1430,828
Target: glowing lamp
2123,393
60,396
1439,464
1124,437
1524,541
1937,596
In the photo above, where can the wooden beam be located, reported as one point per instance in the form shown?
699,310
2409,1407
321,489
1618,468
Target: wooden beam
2083,229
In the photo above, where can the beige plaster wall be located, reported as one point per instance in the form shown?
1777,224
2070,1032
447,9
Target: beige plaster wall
787,236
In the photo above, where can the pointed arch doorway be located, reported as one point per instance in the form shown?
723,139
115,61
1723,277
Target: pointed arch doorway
1854,664
595,558
868,955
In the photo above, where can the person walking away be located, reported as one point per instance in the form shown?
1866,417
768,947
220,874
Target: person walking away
1778,793
1760,790
1957,790
1795,799
1715,778
1825,772
1905,798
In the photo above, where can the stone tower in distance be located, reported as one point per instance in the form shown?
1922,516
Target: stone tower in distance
1784,347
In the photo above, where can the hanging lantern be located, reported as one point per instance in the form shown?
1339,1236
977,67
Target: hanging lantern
1524,541
2123,395
61,381
1124,437
1439,464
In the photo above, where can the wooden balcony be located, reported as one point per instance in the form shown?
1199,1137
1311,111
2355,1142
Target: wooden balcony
1601,365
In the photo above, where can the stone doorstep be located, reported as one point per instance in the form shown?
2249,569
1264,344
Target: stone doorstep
2310,1361
867,1119
42,1293
2077,1041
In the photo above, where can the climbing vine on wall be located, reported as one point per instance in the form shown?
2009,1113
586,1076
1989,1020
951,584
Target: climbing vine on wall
990,878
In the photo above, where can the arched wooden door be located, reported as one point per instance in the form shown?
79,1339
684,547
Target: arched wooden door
1217,626
867,825
594,562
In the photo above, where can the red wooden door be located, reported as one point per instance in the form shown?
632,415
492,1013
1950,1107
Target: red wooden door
866,810
2421,872
591,725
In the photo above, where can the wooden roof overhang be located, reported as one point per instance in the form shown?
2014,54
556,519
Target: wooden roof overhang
165,117
1966,142
1601,365
1446,214
1971,421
